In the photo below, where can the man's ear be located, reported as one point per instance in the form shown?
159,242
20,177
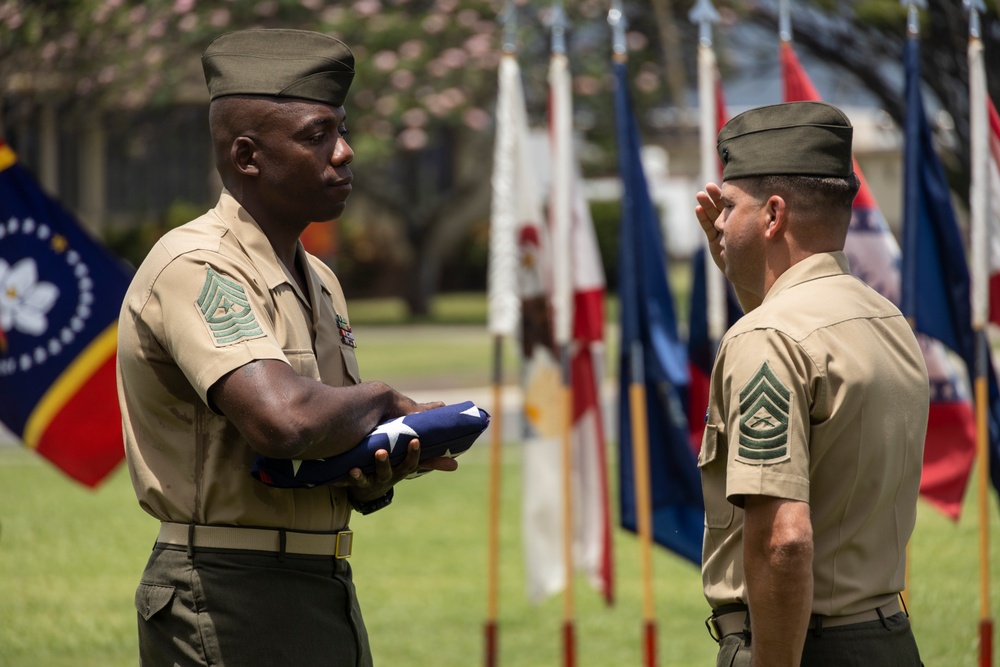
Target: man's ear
244,156
776,211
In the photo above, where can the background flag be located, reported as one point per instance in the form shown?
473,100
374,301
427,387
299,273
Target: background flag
701,339
994,213
580,260
874,256
700,348
514,199
935,281
60,293
647,317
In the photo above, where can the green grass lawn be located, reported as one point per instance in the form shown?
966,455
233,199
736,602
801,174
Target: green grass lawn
70,558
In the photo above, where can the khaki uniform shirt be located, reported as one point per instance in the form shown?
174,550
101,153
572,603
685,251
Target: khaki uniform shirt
818,395
211,297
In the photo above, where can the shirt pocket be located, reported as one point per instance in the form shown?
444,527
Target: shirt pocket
350,364
719,512
150,599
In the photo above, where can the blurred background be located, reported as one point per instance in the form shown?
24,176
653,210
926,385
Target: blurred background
104,100
105,103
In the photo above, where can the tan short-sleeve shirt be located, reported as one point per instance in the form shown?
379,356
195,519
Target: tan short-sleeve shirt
818,395
211,297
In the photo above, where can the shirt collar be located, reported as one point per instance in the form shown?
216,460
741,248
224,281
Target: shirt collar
814,267
251,237
254,242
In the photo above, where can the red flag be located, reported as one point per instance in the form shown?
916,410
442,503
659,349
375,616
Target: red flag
874,255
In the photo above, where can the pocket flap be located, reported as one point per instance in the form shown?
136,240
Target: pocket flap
709,445
350,364
151,598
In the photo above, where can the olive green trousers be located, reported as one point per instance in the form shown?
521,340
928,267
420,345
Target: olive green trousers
247,609
888,643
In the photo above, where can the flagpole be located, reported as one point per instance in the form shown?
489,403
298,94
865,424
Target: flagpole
561,219
913,31
979,212
503,316
704,14
639,422
493,542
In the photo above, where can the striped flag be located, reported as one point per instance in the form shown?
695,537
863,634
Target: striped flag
984,208
874,256
60,293
936,283
576,290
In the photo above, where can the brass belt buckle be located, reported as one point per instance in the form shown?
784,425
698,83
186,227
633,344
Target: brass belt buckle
713,629
344,545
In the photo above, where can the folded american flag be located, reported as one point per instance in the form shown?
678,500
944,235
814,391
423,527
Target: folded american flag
444,431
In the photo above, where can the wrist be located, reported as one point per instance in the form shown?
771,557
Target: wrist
368,506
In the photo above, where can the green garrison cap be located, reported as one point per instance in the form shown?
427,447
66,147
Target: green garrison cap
794,139
279,63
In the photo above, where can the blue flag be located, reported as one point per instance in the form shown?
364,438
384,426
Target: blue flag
935,290
649,324
60,293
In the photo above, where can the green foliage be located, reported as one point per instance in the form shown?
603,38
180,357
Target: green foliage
418,62
881,14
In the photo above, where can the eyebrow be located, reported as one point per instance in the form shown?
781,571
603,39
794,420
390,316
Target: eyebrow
321,122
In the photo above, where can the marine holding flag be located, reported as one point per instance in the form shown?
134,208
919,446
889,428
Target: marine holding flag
234,342
814,436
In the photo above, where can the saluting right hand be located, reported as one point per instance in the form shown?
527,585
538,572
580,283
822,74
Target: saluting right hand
708,210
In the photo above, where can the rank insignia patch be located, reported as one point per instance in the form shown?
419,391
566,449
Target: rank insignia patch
764,409
224,305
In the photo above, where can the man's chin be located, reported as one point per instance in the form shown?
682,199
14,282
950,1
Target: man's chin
332,213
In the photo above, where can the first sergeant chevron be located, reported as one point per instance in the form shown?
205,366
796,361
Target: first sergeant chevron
764,407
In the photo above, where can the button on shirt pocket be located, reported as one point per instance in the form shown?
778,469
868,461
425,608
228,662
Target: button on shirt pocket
718,511
152,598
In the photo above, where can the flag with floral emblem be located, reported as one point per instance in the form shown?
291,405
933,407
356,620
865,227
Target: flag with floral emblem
60,293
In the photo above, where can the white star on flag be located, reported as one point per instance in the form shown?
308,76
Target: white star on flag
393,429
472,412
297,463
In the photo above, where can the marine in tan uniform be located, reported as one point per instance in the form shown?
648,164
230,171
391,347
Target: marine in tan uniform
814,435
235,342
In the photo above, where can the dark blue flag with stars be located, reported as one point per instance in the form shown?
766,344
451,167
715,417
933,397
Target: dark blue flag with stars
446,431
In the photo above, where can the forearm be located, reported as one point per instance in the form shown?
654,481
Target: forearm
284,415
777,560
335,419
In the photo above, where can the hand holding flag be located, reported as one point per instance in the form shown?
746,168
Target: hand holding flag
447,431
